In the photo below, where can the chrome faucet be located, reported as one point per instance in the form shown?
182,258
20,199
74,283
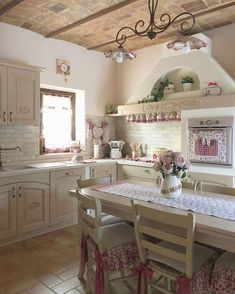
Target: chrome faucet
6,149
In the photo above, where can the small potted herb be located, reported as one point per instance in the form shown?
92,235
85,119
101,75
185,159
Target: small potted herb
187,83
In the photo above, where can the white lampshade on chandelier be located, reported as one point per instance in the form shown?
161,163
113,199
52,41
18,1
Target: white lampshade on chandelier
120,54
186,44
151,30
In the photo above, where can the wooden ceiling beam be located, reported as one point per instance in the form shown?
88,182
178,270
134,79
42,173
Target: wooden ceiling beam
90,18
214,9
9,6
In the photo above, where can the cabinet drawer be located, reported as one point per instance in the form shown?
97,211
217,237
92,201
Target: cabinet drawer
140,172
103,171
80,172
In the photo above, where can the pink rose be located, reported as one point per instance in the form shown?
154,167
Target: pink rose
157,166
180,161
166,169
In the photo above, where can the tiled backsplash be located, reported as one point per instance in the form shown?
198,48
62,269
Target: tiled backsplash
150,135
26,137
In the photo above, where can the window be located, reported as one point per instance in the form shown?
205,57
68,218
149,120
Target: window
57,121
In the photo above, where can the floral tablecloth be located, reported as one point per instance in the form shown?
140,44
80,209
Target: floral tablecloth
187,201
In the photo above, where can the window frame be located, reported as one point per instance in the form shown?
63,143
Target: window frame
71,96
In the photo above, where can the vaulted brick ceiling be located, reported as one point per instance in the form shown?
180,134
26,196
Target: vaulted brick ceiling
94,23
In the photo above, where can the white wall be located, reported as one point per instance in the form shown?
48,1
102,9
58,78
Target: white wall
132,74
90,71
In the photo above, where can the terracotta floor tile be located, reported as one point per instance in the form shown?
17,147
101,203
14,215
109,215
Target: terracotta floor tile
66,286
68,274
49,279
74,291
40,289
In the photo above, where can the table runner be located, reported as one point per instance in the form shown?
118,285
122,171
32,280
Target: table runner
187,201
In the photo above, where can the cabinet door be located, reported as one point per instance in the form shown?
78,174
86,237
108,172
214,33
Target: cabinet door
7,211
104,171
3,94
23,97
32,206
63,206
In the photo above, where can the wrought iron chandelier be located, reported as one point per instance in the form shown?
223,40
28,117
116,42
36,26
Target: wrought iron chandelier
152,30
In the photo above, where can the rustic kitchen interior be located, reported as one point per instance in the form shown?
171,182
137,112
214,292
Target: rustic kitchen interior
83,103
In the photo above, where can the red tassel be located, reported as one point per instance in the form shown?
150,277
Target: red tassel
84,256
143,271
99,274
183,285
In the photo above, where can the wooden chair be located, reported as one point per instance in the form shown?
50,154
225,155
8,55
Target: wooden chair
223,276
108,249
176,263
106,219
189,185
212,187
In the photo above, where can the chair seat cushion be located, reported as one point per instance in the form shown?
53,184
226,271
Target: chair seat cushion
201,255
227,259
223,278
117,234
122,251
108,219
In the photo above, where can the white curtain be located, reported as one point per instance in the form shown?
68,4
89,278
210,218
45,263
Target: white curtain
56,121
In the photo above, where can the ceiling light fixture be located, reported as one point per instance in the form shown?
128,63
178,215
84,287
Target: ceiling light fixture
120,54
186,44
152,30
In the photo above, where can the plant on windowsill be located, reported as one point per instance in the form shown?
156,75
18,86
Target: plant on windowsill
187,83
157,92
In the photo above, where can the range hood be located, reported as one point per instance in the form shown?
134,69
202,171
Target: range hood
174,65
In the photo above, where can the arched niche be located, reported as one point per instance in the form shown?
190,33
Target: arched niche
175,76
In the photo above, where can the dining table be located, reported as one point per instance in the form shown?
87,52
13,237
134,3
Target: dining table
214,230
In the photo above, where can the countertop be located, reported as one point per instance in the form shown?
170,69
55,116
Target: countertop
37,167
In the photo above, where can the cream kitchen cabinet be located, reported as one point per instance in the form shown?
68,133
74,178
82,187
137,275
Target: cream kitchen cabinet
63,207
104,171
7,211
19,94
24,207
134,172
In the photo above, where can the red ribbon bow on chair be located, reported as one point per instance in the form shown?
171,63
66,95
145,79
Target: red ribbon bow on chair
143,271
84,256
183,285
99,274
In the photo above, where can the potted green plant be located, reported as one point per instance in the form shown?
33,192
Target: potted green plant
187,83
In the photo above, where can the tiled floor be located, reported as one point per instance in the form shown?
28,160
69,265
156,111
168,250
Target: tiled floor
47,264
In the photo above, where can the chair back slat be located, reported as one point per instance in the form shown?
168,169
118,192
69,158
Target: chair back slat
209,186
205,187
163,251
95,181
91,223
161,235
163,217
175,229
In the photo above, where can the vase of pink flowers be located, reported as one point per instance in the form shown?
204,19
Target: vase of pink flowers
173,168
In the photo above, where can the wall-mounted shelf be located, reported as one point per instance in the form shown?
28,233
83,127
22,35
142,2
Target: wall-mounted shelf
162,106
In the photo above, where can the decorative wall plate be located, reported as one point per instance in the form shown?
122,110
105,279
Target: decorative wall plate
212,91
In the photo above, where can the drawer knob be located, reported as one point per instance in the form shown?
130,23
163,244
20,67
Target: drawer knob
147,171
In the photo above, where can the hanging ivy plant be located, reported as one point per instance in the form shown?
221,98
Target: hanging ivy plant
157,92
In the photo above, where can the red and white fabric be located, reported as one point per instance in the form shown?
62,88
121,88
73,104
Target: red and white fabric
121,252
223,278
202,268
